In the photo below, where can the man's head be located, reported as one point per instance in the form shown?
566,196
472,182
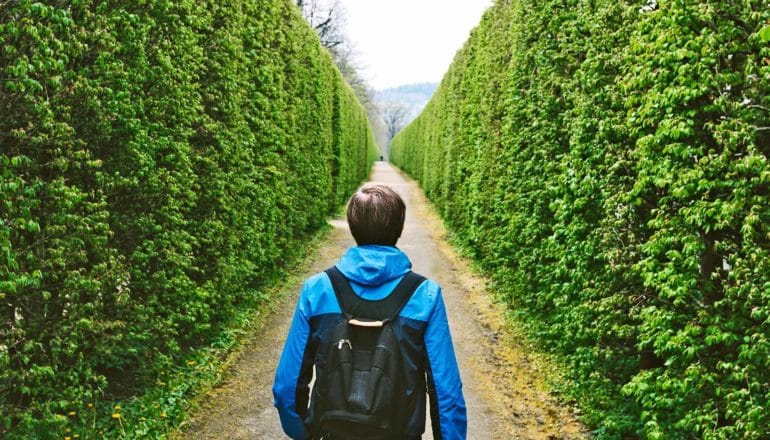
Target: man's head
376,215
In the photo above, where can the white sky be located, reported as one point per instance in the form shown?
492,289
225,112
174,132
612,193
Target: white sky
408,41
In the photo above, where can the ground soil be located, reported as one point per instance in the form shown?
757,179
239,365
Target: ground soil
503,383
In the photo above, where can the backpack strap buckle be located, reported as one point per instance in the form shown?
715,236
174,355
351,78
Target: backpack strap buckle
342,342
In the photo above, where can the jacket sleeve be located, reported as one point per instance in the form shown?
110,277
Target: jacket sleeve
292,377
444,386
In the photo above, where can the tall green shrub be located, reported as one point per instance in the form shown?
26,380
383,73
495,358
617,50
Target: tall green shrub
698,109
159,162
607,162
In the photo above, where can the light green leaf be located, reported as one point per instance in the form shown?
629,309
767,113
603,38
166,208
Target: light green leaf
764,34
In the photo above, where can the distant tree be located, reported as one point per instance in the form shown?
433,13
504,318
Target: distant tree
395,115
413,96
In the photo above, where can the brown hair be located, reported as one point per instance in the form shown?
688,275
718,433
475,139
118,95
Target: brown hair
376,215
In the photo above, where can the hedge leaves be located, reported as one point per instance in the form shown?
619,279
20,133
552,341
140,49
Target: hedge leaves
608,163
159,161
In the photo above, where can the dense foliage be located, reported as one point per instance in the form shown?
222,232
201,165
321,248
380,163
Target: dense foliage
158,162
608,162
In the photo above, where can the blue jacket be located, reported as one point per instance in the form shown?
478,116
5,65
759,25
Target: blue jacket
373,272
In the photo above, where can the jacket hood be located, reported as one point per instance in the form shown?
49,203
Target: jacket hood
373,265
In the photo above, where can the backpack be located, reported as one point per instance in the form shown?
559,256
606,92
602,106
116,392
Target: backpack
362,391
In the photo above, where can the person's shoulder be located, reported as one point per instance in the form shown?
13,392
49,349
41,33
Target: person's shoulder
423,301
432,290
315,285
318,296
428,285
321,278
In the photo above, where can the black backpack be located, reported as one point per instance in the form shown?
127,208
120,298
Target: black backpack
362,391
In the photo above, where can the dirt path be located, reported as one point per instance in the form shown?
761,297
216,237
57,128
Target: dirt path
503,391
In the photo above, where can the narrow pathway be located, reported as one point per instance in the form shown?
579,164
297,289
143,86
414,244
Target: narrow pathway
503,391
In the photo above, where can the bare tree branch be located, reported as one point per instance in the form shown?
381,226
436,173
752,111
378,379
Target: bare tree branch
395,116
328,19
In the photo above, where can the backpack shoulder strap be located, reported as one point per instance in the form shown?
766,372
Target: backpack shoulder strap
402,293
386,309
341,287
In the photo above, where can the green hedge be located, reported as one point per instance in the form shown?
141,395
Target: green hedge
607,162
159,161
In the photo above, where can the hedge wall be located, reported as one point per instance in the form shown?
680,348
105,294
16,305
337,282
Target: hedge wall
607,162
158,162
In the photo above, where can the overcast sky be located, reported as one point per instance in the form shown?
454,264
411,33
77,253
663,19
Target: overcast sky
408,41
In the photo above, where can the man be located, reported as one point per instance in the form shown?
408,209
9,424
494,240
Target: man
374,268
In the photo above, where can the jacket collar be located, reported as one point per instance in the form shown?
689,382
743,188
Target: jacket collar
373,265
